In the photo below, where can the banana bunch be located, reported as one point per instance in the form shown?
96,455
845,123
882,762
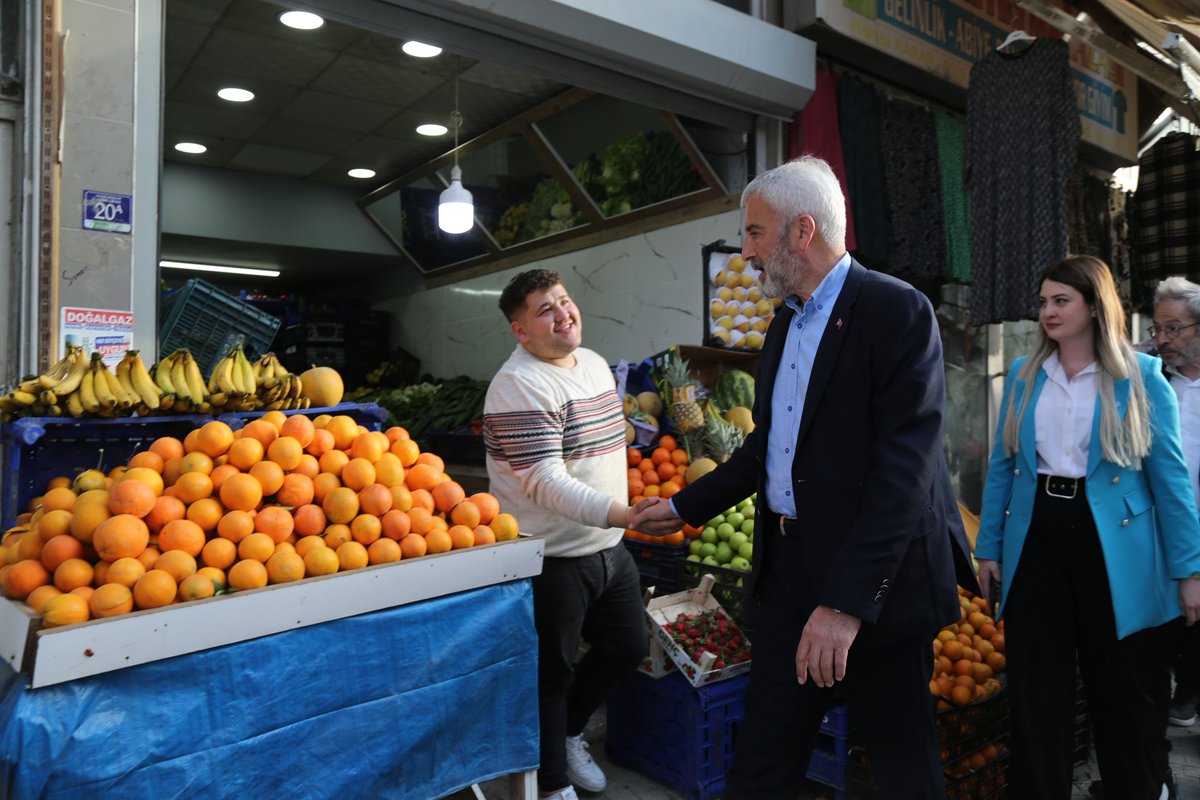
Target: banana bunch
182,384
277,388
135,379
45,394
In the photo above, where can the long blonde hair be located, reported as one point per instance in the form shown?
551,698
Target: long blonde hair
1123,442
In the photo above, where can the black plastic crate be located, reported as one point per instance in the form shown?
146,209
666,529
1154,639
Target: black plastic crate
730,590
456,448
209,322
659,565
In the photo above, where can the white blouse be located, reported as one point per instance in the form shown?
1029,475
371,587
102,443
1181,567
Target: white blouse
1065,411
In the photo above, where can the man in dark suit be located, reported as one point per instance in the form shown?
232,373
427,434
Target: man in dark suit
858,536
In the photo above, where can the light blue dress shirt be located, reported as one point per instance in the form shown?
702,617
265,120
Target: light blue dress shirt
791,384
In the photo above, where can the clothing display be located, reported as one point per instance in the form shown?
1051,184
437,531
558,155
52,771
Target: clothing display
1167,232
819,137
914,188
862,154
1022,137
956,201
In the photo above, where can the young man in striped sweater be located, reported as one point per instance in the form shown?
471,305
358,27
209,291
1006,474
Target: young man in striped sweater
555,438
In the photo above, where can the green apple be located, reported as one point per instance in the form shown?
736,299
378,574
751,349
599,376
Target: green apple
724,553
710,561
738,539
708,549
746,551
694,557
749,511
709,534
724,531
748,527
694,546
715,521
730,510
736,519
740,564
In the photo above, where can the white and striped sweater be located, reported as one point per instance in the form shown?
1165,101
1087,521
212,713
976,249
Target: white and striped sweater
555,440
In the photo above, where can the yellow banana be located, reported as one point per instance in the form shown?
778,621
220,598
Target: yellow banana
74,404
162,376
100,385
167,403
247,372
87,392
142,383
125,400
22,398
195,378
179,377
52,376
223,372
54,411
123,368
48,397
74,376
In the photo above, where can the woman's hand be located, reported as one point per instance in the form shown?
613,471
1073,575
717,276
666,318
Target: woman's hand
1189,599
989,575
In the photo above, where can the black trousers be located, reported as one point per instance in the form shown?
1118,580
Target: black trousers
886,689
1058,614
599,598
1187,662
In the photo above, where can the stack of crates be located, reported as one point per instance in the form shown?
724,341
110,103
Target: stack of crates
729,589
209,322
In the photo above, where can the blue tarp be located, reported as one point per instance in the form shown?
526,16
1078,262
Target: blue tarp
411,702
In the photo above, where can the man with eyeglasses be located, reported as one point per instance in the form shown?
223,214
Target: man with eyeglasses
1176,332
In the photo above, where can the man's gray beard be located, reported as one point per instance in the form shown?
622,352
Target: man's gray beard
785,267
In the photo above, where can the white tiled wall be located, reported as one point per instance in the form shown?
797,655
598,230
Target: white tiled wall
637,295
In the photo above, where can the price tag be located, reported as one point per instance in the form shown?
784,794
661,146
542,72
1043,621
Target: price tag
104,211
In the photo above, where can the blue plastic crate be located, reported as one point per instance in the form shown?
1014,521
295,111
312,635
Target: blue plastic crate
369,415
209,321
659,565
827,765
677,734
836,722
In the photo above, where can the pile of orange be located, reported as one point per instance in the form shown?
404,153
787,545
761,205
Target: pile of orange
281,499
661,474
968,655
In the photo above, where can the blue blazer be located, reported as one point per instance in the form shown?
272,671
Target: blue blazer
1146,518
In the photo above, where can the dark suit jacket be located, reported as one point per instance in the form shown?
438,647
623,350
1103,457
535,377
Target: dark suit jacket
880,528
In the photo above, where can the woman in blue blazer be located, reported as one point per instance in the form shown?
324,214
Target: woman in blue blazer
1090,530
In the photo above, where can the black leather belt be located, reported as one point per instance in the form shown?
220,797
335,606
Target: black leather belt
1061,488
784,523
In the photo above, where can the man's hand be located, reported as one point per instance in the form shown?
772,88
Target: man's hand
1189,599
653,515
825,645
989,575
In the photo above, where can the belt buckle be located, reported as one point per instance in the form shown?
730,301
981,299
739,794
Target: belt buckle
783,521
1074,488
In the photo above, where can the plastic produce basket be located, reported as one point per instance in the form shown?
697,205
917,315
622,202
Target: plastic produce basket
730,590
659,565
209,321
676,734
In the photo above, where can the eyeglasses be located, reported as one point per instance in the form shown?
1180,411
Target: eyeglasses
1169,331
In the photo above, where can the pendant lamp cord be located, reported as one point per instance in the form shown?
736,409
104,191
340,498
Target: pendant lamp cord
455,118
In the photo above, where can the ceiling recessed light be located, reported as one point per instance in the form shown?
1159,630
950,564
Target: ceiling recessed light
420,49
431,129
301,20
360,172
190,147
235,95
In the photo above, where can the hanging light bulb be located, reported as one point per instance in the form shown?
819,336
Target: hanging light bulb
456,210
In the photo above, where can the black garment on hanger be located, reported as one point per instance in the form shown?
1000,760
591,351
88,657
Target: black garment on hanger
862,155
914,192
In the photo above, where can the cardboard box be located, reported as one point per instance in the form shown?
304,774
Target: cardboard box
662,611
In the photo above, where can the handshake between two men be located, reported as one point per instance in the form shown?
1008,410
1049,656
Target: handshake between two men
651,515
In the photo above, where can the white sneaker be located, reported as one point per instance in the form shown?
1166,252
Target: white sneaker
563,794
581,769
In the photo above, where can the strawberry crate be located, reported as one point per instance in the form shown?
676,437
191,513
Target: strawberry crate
663,612
728,587
209,321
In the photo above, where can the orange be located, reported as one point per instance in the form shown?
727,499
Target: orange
189,441
438,541
679,458
54,523
440,522
269,476
147,476
65,609
322,442
248,574
432,460
296,490
323,484
668,489
636,487
384,551
83,591
177,564
333,462
60,498
219,474
242,492
668,443
462,537
149,460
246,452
30,545
193,486
650,478
276,522
961,695
263,432
155,589
285,567
366,528
336,535
172,469
89,480
395,433
341,505
235,525
257,547
344,430
420,520
23,577
422,498
196,462
286,452
206,513
375,499
91,496
666,471
465,513
214,439
952,650
167,447
182,534
447,495
352,555
358,473
38,597
997,662
309,520
505,526
389,471
308,543
131,497
298,427
321,561
660,456
217,576
407,451
219,552
196,587
413,546
632,456
275,418
484,535
395,524
60,548
488,505
367,446
402,499
166,509
148,556
121,536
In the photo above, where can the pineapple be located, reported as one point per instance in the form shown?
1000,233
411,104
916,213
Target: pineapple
685,411
720,436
